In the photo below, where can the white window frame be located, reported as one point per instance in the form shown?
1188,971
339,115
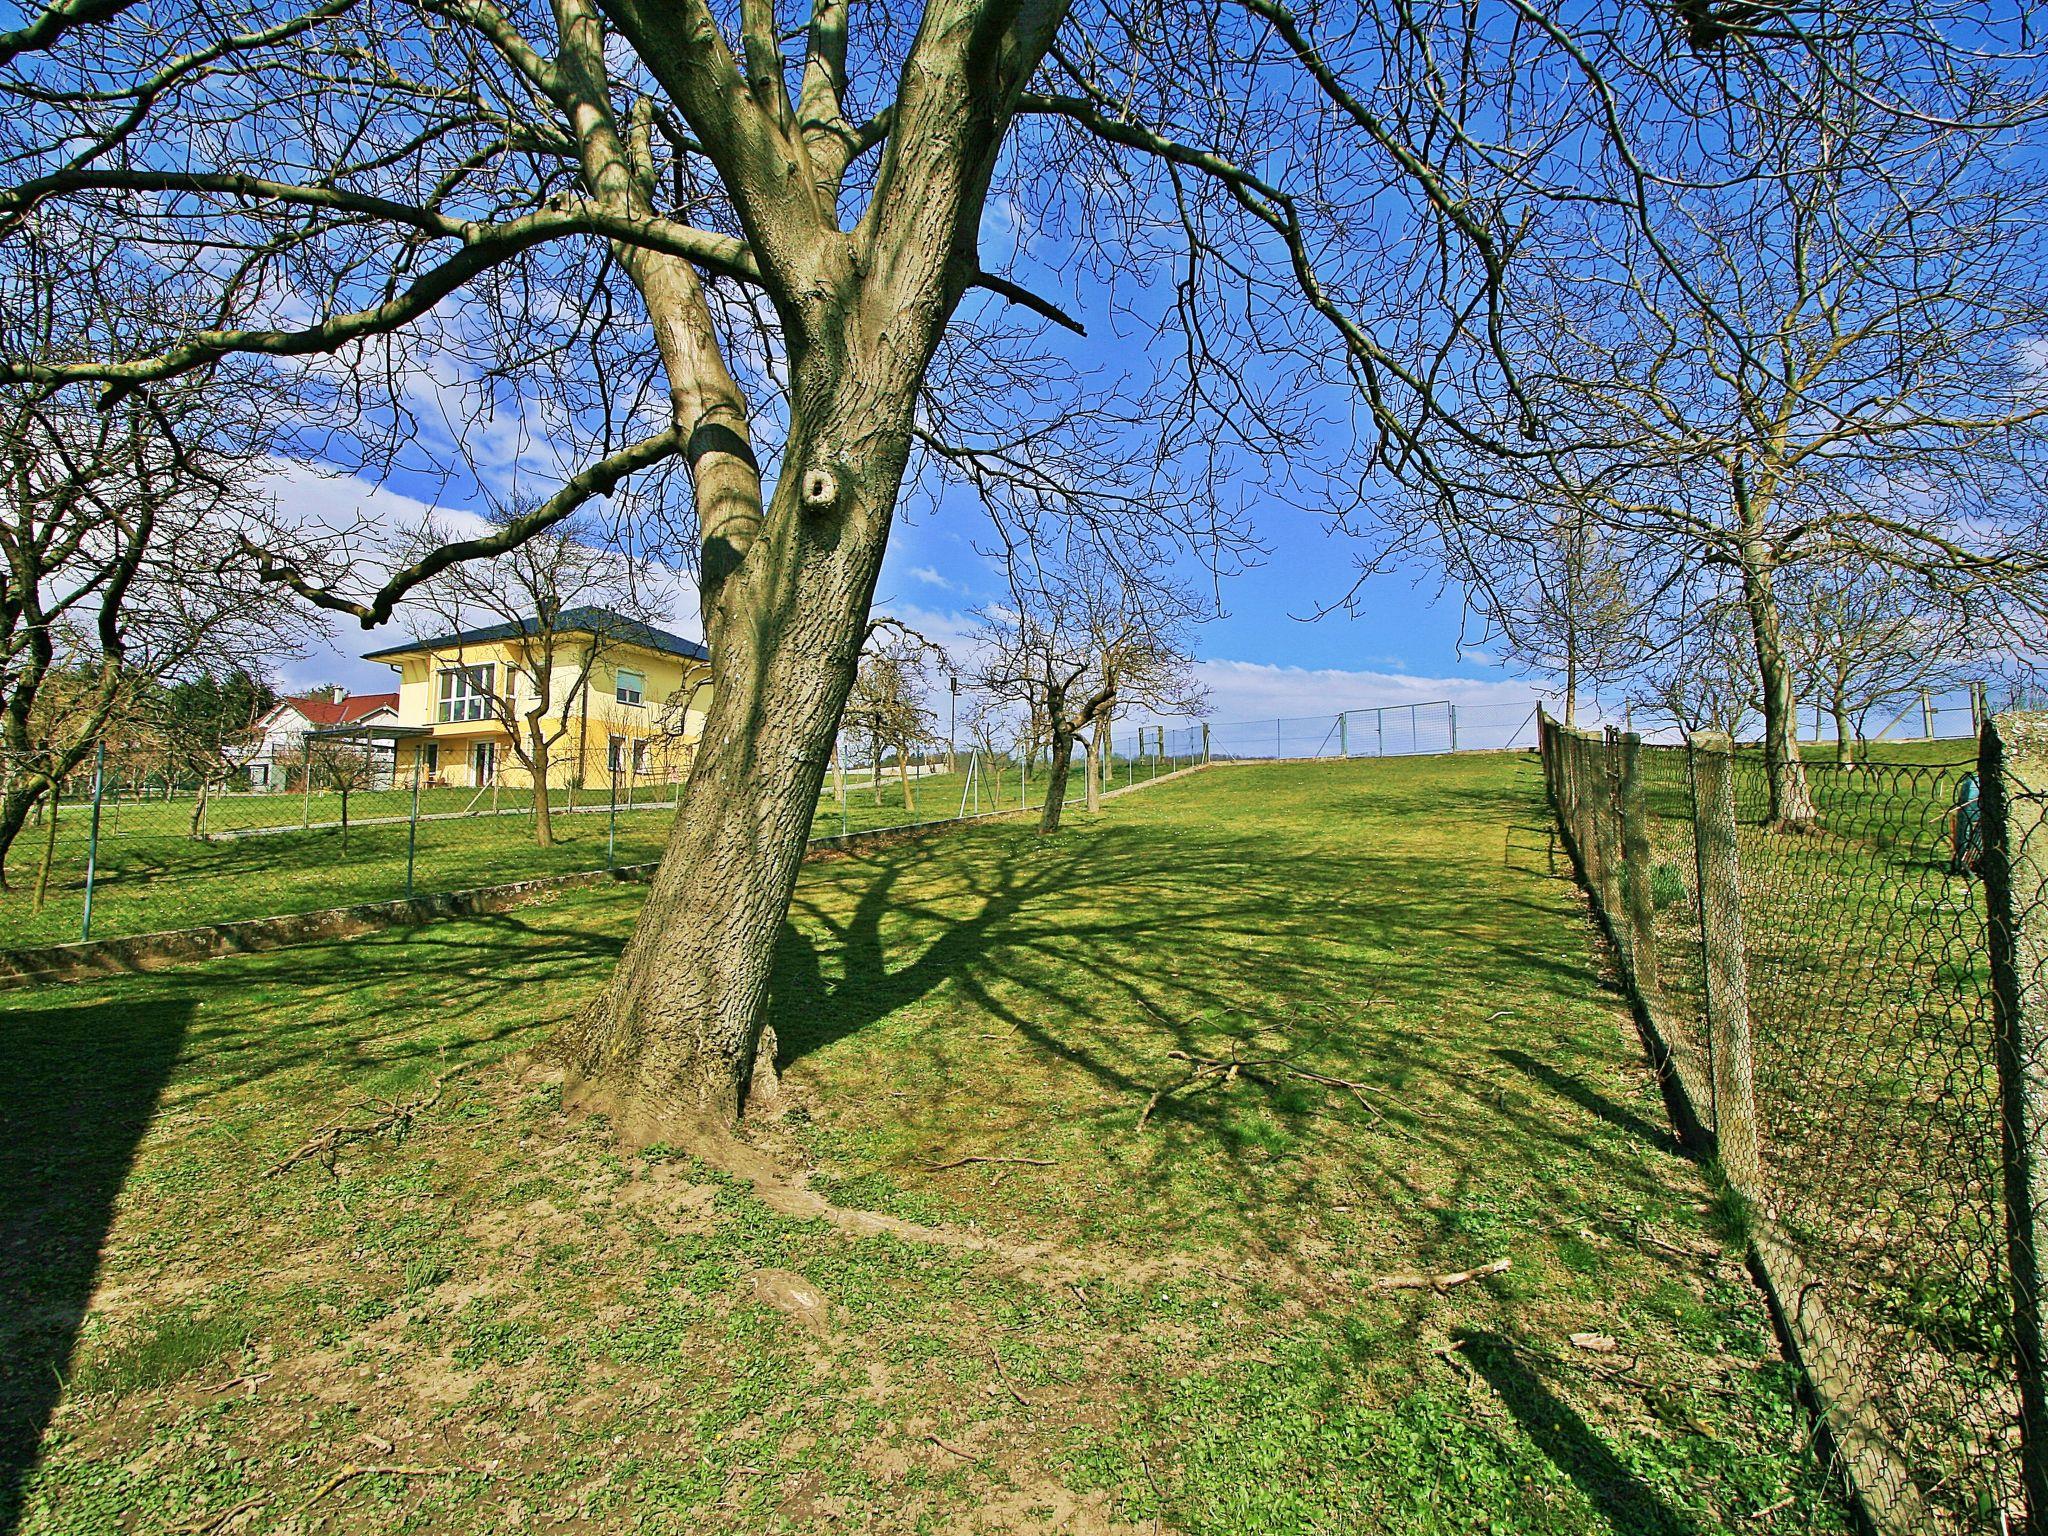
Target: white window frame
636,695
643,755
615,754
465,693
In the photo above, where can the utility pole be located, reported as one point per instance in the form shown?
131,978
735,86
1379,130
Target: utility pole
953,728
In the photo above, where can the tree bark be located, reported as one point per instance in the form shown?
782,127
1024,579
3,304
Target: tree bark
1060,761
537,765
1791,800
1095,768
670,1046
1845,739
196,830
49,854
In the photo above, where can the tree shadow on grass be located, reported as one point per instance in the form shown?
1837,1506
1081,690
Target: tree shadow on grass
1629,1505
1597,1104
78,1086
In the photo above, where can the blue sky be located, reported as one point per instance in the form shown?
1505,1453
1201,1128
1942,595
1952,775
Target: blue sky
1265,657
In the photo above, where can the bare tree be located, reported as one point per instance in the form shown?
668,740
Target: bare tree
727,263
572,599
1077,637
890,702
1830,364
1701,670
1867,639
208,724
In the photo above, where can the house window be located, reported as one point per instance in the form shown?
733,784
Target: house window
465,693
618,754
631,687
640,755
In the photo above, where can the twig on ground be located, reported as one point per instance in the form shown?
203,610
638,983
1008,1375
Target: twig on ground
1222,1071
353,1471
206,1525
1771,1509
1452,1281
996,1354
962,1162
394,1117
951,1449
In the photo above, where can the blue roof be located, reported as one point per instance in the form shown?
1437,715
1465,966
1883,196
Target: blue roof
585,620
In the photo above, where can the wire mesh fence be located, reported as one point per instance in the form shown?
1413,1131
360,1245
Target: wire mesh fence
1816,966
114,857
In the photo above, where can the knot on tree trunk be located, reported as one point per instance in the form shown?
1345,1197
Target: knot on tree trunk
822,487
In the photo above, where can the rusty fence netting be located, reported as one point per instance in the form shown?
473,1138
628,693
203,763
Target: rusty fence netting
1836,965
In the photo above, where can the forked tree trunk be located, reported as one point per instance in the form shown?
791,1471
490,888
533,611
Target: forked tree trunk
1791,801
1092,770
198,826
1060,761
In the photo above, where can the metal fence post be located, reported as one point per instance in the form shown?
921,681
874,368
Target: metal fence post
1343,735
1454,725
1726,967
2013,775
1637,903
92,842
611,836
1205,741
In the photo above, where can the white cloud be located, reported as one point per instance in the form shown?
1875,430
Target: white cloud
931,578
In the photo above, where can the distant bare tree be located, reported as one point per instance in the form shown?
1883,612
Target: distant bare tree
1702,674
1867,638
890,703
1076,638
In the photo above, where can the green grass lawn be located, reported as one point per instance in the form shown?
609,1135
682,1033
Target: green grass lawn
1173,1328
152,874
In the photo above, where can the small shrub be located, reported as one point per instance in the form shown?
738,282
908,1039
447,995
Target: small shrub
1667,886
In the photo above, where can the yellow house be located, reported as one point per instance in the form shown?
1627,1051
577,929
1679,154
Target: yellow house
623,697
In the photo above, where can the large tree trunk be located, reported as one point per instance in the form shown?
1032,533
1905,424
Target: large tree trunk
15,805
671,1046
1791,800
1845,738
198,826
1061,760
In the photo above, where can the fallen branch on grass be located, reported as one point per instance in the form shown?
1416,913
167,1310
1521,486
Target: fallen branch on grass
1222,1071
962,1162
393,1118
1448,1282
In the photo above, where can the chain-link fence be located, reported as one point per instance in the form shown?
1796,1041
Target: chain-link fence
113,857
1818,978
